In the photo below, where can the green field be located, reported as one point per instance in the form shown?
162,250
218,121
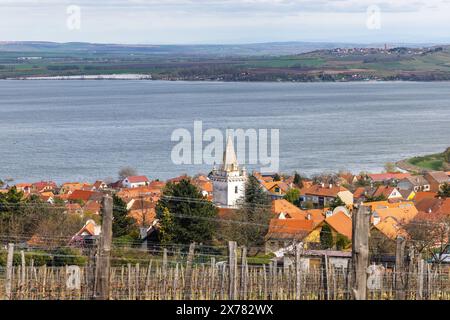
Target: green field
431,162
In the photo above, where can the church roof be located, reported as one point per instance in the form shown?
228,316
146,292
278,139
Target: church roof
229,157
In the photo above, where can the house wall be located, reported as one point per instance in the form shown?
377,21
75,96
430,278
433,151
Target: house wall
346,196
224,191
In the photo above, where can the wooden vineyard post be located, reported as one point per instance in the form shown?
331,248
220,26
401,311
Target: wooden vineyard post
188,274
298,271
9,272
399,267
420,269
232,265
101,291
360,251
244,274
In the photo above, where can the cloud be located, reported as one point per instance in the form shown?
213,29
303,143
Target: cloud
243,5
224,21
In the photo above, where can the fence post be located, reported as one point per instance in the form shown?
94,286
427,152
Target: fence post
420,263
298,271
326,277
244,273
101,291
232,265
9,271
23,274
188,274
399,268
360,251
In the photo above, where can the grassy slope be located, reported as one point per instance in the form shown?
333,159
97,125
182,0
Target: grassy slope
432,161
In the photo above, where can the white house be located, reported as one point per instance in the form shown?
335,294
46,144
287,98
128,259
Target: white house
135,181
228,181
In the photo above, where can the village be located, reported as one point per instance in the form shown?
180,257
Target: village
315,211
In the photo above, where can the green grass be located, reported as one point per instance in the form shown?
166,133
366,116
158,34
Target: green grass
432,161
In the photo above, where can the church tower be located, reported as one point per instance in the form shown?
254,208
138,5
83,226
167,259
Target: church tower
228,181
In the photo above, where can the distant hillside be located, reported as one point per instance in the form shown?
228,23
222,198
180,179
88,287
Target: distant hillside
271,48
299,62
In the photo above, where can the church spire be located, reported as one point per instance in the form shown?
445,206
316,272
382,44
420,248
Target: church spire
229,156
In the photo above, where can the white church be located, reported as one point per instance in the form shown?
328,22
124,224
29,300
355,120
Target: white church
229,180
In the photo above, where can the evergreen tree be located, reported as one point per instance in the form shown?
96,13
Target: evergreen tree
276,177
185,215
337,203
251,221
292,195
298,180
166,230
123,225
326,237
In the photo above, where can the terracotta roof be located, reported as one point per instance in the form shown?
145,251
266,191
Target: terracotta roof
289,228
92,207
424,194
157,184
270,185
387,204
341,223
317,215
85,195
284,206
44,184
434,205
204,185
143,191
391,228
325,191
137,179
91,228
98,184
359,192
379,177
403,213
383,190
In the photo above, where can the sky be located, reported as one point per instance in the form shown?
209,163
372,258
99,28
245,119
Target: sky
225,21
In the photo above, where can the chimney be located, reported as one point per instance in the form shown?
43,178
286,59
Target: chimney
308,216
322,185
331,185
376,219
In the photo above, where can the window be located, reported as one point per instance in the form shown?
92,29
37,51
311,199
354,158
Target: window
236,189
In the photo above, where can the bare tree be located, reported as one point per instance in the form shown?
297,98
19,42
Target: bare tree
429,236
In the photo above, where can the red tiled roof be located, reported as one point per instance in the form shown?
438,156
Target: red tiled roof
383,190
325,191
341,223
378,177
84,195
288,228
137,179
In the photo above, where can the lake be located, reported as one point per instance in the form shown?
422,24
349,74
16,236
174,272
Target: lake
81,130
